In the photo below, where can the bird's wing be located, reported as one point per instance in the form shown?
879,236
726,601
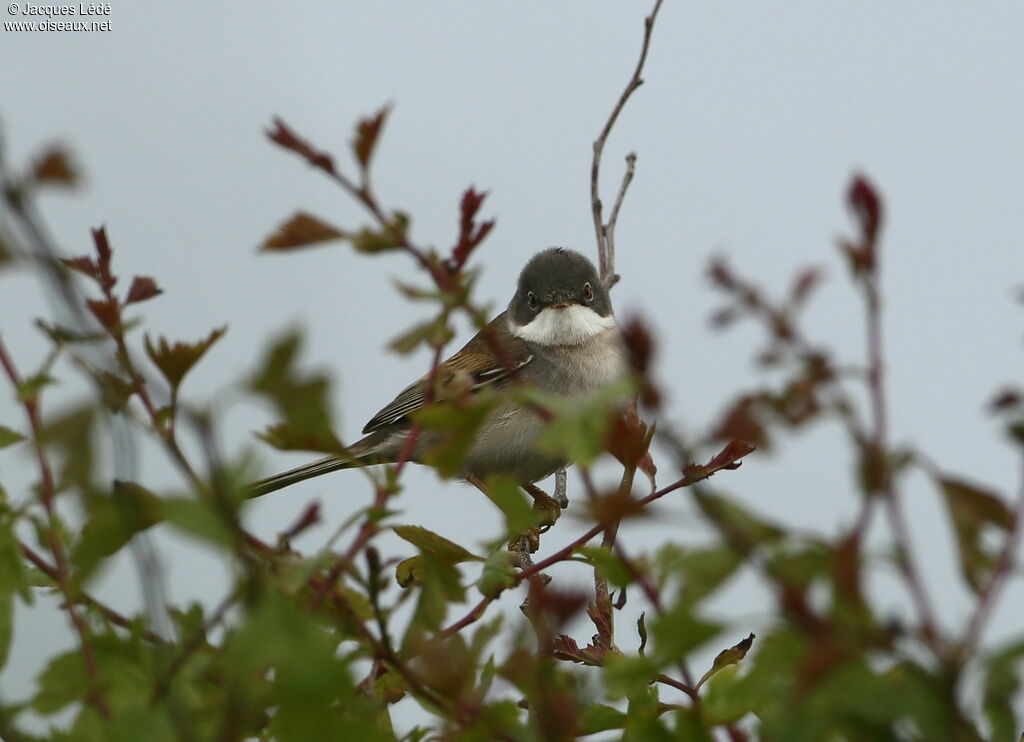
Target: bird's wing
476,360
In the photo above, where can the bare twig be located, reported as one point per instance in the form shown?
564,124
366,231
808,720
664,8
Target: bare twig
605,232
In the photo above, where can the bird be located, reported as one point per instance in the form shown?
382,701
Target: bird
558,335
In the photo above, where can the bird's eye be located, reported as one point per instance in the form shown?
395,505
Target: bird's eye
531,300
588,293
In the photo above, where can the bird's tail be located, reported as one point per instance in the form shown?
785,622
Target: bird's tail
380,447
300,473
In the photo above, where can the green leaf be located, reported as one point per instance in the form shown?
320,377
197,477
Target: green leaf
71,435
409,572
626,676
458,425
725,698
390,237
175,360
677,632
279,635
6,623
644,721
285,437
702,571
513,503
499,573
141,724
1002,689
300,399
434,333
741,529
197,518
28,389
608,565
974,511
600,718
9,437
579,430
61,682
435,545
113,520
440,585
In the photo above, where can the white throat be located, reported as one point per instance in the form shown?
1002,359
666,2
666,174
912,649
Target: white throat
569,325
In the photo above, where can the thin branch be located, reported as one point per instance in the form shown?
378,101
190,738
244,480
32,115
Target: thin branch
655,599
880,442
695,475
605,232
85,599
1001,572
61,575
627,178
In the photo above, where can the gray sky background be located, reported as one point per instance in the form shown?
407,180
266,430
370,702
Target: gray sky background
752,120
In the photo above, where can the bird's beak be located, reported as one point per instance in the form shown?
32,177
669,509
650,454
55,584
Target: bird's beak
561,302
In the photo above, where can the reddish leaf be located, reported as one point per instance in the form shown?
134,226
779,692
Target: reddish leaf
804,283
720,274
728,458
82,264
302,230
629,440
470,234
174,361
1007,399
106,311
864,200
639,343
286,138
565,648
742,422
309,518
104,275
142,288
54,166
600,613
367,131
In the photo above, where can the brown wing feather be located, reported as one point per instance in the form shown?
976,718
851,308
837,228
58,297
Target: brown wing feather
476,359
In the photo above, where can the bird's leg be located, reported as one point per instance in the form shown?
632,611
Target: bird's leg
527,543
548,507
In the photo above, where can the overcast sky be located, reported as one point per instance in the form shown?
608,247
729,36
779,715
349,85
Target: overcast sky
752,120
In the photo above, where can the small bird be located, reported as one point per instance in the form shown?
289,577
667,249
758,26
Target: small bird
558,335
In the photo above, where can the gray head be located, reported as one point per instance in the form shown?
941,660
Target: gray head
560,300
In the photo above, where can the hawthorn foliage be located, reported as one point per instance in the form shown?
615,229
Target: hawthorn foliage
322,645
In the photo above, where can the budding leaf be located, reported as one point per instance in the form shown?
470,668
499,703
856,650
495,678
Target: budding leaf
731,656
367,131
174,361
142,288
